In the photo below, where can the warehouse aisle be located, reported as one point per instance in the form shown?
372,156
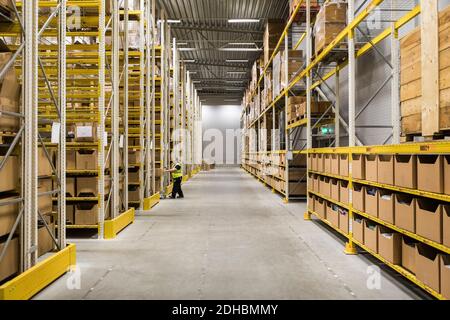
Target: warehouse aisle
230,238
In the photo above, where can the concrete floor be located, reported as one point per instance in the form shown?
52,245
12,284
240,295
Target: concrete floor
230,238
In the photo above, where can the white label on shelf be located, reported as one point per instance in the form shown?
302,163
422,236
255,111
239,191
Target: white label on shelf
84,131
105,137
289,155
121,141
55,132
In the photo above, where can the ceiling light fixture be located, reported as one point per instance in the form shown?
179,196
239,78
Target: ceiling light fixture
237,60
182,43
187,49
173,21
237,72
189,61
242,44
240,49
243,20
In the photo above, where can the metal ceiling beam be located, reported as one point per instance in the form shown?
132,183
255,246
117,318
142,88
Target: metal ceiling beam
200,27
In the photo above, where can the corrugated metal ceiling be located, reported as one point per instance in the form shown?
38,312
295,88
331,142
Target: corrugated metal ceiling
205,28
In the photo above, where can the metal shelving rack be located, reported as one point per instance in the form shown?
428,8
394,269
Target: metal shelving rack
37,74
314,75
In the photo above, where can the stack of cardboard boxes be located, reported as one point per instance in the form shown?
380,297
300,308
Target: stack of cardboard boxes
9,174
330,21
272,33
297,108
422,216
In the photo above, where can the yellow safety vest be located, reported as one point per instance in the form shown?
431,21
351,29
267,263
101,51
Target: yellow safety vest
178,173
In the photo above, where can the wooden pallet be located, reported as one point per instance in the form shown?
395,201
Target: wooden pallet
417,137
297,118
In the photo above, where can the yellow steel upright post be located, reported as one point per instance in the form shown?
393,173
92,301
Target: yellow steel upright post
349,246
307,215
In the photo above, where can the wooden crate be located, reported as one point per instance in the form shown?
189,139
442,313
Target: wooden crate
411,78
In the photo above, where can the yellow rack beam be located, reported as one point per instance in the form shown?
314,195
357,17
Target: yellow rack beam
30,282
114,226
151,201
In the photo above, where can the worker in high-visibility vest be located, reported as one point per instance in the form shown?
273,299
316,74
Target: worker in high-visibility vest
177,177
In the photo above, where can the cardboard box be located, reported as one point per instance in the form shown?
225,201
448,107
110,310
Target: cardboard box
430,166
405,212
316,183
133,176
386,203
371,167
333,214
343,220
343,191
86,160
86,132
8,215
390,245
386,169
45,241
334,163
446,225
371,235
314,164
445,275
324,186
70,187
405,171
320,207
45,201
7,122
358,197
9,179
272,33
358,228
334,189
297,188
310,161
71,163
70,214
134,194
320,162
87,186
11,260
371,201
44,166
311,201
446,174
409,254
427,266
327,163
330,21
429,219
134,156
343,165
10,91
358,166
86,213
